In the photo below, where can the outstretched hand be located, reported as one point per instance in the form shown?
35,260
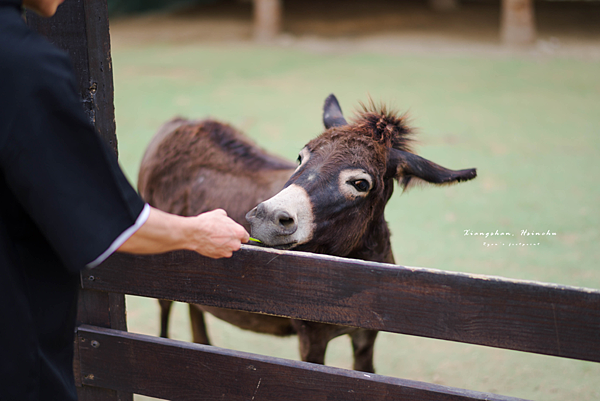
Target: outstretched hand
211,234
218,235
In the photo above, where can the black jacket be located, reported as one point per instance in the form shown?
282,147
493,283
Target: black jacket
63,203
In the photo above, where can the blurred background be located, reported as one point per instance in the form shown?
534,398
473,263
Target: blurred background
511,88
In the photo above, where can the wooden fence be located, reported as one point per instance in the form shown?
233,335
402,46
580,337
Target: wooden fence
111,364
519,315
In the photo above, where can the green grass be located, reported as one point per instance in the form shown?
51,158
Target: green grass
531,126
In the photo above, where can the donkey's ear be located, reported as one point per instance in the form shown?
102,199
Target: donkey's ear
410,169
332,113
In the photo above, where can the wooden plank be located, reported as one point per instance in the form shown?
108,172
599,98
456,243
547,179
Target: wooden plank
517,25
267,19
176,370
526,316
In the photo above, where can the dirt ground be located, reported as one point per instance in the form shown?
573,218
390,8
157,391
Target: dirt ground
565,29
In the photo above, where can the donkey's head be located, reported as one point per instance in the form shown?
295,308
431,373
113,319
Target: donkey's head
334,201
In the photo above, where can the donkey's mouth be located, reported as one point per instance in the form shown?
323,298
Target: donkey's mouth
283,221
267,244
284,247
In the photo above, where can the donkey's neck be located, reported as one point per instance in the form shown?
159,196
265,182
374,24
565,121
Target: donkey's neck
376,245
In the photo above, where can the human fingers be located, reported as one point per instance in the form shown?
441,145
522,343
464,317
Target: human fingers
236,230
241,233
223,235
226,254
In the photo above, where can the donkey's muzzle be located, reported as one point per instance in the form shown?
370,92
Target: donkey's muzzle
275,222
285,220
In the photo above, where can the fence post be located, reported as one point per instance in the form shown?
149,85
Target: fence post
81,28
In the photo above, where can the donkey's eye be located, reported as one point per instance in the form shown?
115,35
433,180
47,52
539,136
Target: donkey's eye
360,185
299,160
355,183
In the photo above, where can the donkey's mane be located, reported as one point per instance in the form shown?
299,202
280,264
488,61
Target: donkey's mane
385,126
241,149
223,147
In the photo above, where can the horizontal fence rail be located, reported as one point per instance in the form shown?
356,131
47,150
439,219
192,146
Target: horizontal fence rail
177,370
519,315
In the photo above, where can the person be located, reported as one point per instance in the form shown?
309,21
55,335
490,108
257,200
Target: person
65,205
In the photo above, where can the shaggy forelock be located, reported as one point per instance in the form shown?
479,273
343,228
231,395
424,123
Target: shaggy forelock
387,127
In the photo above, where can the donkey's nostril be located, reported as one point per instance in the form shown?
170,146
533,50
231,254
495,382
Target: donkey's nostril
285,221
250,216
258,213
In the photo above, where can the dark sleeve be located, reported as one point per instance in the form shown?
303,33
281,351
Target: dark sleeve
62,172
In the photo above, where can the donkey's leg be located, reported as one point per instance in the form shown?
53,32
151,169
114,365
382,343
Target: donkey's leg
198,326
165,311
313,338
363,342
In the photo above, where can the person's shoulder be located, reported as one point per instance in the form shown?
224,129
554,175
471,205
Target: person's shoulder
29,59
34,74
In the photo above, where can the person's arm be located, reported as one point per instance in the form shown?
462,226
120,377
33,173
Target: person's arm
211,234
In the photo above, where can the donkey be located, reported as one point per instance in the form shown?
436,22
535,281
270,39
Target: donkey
332,202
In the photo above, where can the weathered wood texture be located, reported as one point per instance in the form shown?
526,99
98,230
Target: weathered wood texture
81,28
517,24
525,316
104,310
267,19
177,370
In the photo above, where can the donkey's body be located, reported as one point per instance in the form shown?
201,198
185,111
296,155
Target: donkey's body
191,167
332,203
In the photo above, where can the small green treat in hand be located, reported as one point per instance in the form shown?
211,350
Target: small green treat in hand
254,239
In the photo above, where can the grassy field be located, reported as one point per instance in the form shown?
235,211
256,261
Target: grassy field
531,126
